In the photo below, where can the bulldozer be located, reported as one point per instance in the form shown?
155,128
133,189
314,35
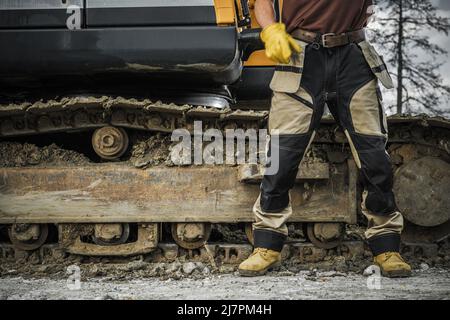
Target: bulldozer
96,76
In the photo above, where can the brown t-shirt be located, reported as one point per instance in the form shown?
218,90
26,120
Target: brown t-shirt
337,16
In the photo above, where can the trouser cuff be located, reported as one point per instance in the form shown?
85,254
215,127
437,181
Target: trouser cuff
384,243
268,239
274,204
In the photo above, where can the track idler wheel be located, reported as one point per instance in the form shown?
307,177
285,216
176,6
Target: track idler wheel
422,189
325,235
110,143
191,235
28,236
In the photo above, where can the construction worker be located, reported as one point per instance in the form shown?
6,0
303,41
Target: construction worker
324,58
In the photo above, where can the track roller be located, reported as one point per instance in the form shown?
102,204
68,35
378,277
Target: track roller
28,236
191,235
110,234
110,143
325,235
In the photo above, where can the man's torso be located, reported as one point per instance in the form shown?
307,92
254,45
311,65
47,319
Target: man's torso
324,16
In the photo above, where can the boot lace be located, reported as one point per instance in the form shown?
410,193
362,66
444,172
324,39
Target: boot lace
261,251
395,255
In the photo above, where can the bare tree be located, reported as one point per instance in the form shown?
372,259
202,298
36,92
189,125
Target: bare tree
400,29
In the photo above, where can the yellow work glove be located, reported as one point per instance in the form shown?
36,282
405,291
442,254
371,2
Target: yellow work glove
279,44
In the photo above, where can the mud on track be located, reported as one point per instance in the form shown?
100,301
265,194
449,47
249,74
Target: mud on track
19,155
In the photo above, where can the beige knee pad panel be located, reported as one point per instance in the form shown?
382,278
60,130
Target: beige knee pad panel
290,116
367,113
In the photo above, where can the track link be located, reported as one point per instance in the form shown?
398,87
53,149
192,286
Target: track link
225,253
70,114
411,138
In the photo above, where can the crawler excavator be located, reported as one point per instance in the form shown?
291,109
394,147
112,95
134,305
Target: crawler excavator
100,77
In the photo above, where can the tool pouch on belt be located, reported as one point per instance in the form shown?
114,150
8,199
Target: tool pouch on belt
287,77
377,64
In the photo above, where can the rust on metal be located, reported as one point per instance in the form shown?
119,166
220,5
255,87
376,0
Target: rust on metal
147,241
253,173
113,193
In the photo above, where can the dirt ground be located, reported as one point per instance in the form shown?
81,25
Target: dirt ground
426,283
336,277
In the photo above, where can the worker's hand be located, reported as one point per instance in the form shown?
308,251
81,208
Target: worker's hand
279,44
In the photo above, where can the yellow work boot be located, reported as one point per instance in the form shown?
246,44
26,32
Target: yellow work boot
259,262
392,265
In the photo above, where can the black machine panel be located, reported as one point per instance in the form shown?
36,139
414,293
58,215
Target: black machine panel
145,50
150,40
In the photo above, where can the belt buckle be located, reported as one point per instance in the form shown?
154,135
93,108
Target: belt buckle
324,39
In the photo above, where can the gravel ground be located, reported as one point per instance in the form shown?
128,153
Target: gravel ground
426,284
